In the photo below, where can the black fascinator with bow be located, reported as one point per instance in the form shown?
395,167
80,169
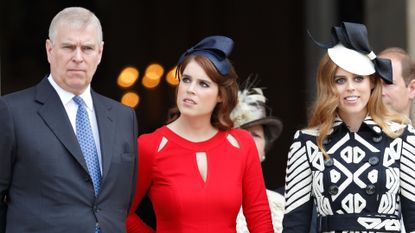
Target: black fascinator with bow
214,48
349,48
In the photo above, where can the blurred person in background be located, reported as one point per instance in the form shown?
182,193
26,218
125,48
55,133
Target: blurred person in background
251,114
400,94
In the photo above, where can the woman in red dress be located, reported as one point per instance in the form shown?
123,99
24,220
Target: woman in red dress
198,170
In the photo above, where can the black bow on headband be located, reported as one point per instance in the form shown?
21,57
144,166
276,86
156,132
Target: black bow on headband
354,36
216,49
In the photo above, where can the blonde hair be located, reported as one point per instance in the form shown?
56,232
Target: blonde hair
76,17
324,110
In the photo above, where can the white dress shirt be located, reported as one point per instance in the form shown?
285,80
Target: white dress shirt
71,108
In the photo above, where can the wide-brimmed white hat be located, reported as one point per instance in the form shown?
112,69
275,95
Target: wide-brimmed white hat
350,50
351,60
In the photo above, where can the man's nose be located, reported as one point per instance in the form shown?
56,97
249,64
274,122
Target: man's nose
78,56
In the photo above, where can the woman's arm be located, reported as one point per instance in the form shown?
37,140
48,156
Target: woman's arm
255,202
298,184
407,179
146,150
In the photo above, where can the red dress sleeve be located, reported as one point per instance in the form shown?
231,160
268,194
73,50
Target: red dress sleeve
147,146
255,202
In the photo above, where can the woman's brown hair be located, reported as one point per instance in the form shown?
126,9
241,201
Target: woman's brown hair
228,91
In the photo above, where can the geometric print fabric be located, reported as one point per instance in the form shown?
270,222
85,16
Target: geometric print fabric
345,183
354,203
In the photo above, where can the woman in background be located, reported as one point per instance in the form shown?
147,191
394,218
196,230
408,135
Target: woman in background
250,114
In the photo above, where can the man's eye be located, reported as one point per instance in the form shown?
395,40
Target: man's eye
87,48
68,47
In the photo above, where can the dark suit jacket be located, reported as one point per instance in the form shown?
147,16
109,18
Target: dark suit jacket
44,182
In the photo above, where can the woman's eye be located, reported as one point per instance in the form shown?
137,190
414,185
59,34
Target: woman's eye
204,84
359,78
255,135
185,79
339,81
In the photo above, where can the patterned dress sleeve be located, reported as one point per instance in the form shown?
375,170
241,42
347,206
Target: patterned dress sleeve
255,202
146,149
298,186
407,179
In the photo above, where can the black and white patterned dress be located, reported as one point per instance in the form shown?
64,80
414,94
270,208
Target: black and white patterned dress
366,185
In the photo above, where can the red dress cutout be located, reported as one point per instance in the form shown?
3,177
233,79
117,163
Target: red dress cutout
183,202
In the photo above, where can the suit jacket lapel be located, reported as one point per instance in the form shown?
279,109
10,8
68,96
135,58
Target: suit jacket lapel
106,129
55,117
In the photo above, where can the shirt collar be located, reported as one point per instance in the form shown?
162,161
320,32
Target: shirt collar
67,96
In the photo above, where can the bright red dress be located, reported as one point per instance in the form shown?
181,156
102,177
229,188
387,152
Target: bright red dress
183,202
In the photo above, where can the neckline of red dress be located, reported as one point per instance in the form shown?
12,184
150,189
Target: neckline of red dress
219,137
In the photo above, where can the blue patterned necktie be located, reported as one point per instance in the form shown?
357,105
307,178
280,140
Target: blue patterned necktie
87,143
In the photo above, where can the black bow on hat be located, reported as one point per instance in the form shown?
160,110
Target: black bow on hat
354,36
216,49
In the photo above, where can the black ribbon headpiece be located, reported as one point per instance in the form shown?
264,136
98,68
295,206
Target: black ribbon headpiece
354,36
216,49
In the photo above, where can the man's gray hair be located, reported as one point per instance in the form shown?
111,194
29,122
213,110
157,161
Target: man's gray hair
75,17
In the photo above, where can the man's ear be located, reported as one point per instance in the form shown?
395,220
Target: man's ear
101,51
49,47
411,88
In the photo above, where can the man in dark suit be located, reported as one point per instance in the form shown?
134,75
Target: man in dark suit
67,154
